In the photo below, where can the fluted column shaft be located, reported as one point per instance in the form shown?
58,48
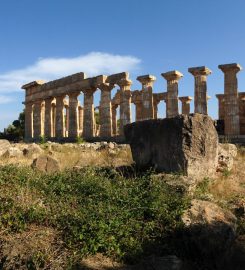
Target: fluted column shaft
125,104
28,121
172,78
114,119
80,119
73,115
48,118
231,119
221,104
138,111
185,104
59,118
147,96
88,122
200,98
105,110
37,123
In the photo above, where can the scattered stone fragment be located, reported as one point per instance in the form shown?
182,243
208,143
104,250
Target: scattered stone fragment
13,152
32,150
226,154
4,146
46,164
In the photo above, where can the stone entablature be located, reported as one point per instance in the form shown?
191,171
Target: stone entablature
52,109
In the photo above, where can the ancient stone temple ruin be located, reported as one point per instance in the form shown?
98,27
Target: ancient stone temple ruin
53,109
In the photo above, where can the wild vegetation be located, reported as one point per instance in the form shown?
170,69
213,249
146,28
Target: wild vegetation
88,211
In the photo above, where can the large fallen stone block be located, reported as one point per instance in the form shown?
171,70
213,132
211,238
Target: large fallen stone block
183,144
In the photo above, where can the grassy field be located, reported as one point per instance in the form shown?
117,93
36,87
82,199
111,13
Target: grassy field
97,214
53,221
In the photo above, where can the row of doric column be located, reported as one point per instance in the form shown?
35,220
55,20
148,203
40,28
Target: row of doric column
48,111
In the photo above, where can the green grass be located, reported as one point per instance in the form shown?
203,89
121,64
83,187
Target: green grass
94,210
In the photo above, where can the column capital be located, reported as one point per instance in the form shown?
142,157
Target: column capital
89,91
197,71
125,84
146,79
106,87
73,94
172,75
185,99
234,67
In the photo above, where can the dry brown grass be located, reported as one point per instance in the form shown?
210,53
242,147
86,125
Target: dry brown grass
230,186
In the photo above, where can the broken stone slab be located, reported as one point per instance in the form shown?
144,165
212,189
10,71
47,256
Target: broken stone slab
13,152
4,146
32,151
226,154
182,144
46,164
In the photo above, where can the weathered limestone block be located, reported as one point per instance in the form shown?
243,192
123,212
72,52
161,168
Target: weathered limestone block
46,164
183,144
226,154
4,146
13,152
32,150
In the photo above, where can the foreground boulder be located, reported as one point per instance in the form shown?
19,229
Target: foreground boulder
32,150
183,144
46,164
4,146
226,154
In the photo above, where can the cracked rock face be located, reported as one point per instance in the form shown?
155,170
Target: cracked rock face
182,144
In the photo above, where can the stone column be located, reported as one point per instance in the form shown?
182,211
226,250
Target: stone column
231,119
138,110
66,120
88,121
28,121
48,126
200,98
105,110
59,119
125,104
53,119
80,119
185,104
147,96
172,78
114,119
37,117
73,115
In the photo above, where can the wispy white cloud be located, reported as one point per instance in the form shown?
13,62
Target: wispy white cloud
94,63
5,99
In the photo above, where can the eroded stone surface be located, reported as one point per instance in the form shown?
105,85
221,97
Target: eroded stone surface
183,144
46,164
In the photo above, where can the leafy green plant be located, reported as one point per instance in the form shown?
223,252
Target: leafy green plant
79,140
42,139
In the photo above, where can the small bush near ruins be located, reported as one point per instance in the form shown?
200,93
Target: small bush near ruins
85,212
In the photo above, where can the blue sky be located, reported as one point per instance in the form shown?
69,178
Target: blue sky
49,39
